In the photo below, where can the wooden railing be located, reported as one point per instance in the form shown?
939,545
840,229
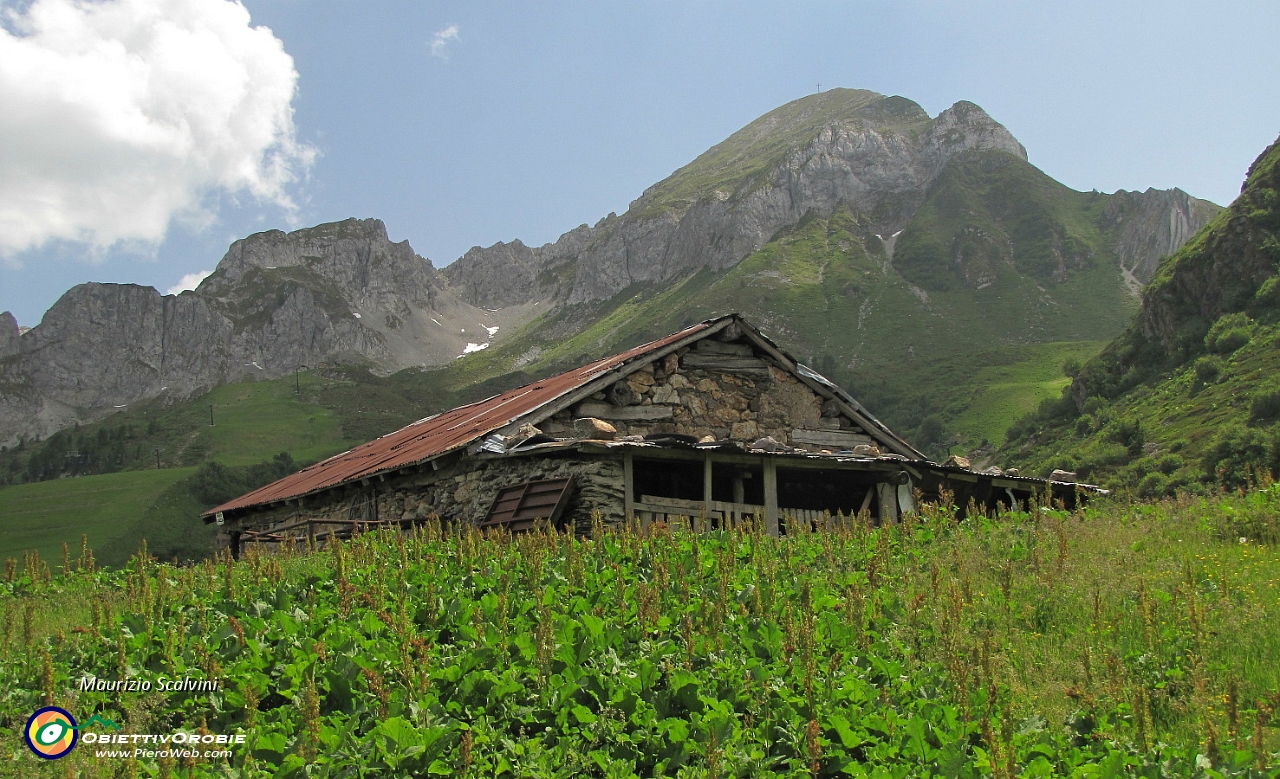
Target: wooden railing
717,514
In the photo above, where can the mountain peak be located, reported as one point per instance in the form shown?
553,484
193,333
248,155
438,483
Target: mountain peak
9,334
872,154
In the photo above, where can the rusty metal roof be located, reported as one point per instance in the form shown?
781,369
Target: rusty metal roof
431,437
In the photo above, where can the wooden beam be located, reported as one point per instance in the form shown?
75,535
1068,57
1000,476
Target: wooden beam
724,363
838,438
708,346
706,483
888,493
624,413
770,496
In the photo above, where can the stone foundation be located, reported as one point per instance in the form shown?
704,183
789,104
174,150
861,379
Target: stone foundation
463,492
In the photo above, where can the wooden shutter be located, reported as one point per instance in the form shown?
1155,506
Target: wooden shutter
516,508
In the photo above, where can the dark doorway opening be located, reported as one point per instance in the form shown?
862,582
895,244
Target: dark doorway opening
836,492
733,483
667,479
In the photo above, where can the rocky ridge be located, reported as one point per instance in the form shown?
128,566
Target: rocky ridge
9,334
1231,266
336,293
873,155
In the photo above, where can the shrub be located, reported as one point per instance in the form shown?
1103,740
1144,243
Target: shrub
1058,409
1129,435
1168,464
1267,298
1152,485
1229,333
1208,369
1238,456
216,483
1265,405
931,430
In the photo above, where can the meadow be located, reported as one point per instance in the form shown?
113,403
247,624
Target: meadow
1122,639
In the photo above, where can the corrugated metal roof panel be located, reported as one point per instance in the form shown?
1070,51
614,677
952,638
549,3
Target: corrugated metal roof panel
443,433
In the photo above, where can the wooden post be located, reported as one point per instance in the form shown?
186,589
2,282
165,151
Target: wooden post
628,488
888,494
706,485
770,496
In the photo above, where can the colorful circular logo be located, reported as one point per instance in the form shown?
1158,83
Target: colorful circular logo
51,732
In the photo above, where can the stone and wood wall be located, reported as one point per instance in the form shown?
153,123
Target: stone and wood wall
722,390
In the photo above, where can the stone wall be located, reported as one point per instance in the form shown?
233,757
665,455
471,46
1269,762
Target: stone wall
721,390
463,492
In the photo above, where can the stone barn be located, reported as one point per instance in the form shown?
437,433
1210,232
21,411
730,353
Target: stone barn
711,425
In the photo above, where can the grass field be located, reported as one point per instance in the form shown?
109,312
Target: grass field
44,515
1123,639
254,421
1002,386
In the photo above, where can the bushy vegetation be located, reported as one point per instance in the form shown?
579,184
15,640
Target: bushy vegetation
215,483
1195,370
1118,640
1217,416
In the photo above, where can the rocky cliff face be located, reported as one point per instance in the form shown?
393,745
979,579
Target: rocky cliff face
1223,270
1153,224
8,335
1231,266
338,292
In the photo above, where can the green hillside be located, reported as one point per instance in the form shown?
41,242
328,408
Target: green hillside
43,515
251,421
101,479
1188,397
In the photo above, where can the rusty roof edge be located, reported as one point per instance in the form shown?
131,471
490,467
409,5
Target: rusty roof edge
695,332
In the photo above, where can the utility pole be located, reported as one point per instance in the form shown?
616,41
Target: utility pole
157,459
210,415
297,383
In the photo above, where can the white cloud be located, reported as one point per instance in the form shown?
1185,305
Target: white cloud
122,115
440,41
189,281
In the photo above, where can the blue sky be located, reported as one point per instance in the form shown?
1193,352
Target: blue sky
462,124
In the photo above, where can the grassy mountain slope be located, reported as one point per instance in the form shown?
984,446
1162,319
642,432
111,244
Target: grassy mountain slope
119,497
41,516
1188,395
